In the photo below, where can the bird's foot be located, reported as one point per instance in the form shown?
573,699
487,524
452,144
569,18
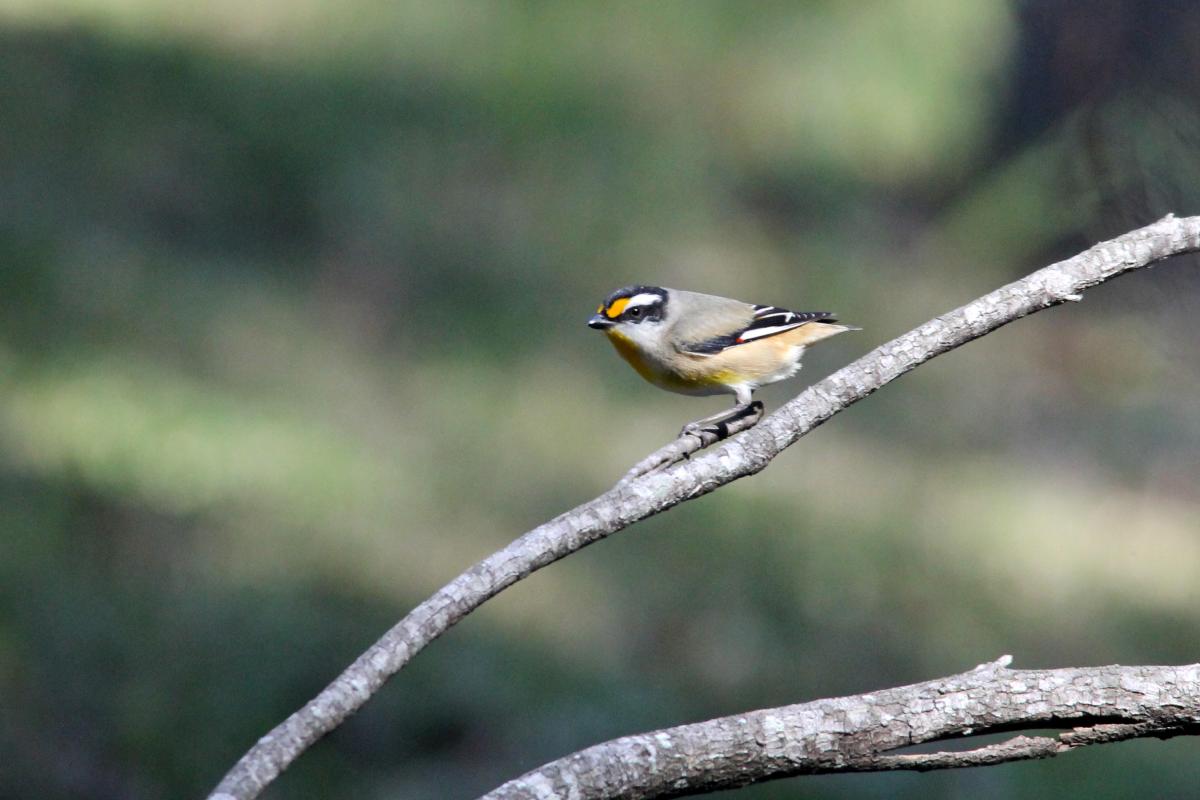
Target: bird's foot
723,425
696,436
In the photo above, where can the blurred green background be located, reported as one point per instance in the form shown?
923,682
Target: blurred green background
292,303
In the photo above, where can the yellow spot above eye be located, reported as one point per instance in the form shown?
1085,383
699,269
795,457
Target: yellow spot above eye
617,307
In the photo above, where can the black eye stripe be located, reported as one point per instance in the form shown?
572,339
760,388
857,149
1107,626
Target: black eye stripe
643,312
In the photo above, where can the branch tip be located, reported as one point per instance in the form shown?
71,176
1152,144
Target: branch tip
1000,663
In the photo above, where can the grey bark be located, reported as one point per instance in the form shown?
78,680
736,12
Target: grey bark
745,454
690,442
855,734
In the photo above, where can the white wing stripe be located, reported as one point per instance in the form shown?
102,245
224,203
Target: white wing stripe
782,318
758,333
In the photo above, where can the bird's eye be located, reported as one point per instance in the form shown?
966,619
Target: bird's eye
635,312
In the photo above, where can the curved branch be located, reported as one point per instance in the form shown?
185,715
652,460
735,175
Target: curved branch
745,454
854,734
690,442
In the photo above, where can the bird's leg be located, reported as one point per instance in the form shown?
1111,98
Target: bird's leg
700,434
709,430
719,423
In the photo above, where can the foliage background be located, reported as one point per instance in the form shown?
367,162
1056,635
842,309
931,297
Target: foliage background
291,330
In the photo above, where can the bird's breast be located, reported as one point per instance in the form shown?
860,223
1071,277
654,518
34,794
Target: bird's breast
700,380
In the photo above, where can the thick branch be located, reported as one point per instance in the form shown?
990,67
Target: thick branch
657,491
854,734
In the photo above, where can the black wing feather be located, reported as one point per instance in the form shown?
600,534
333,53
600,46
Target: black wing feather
712,346
765,317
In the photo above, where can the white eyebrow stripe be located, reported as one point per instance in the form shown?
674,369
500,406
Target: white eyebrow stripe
644,299
758,333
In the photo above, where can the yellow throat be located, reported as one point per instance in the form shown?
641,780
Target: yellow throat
632,354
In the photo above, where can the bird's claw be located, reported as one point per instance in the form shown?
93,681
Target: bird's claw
719,428
695,436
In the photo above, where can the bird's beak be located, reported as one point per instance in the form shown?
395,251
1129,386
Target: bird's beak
600,322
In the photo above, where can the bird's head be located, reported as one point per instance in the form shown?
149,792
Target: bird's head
631,312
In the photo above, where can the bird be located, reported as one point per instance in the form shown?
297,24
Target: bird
703,344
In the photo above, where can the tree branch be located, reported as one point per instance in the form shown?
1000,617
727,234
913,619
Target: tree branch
745,454
690,442
854,734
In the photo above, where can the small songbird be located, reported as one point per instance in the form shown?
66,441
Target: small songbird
701,344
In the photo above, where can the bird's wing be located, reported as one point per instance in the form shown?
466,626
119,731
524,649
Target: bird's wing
767,321
770,320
